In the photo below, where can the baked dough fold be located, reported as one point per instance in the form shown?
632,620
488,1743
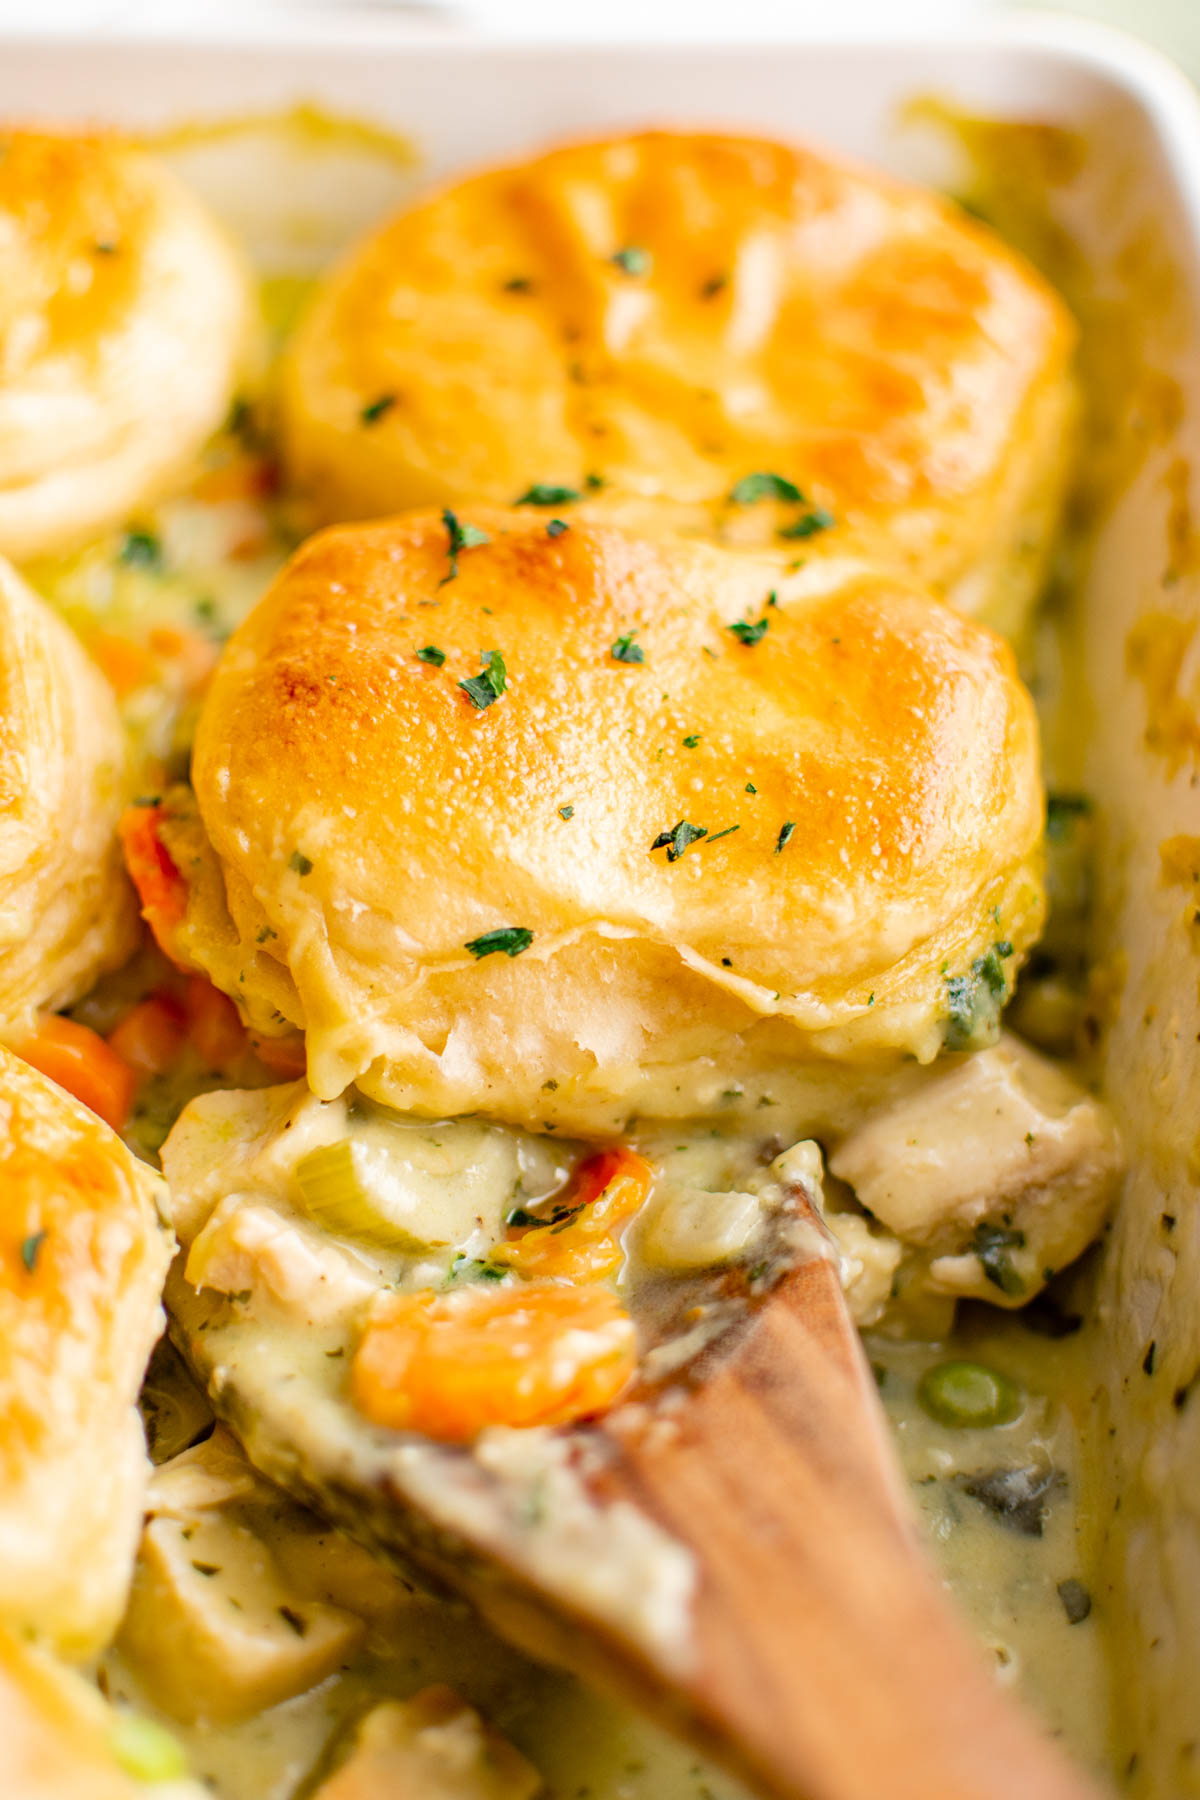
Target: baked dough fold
124,317
66,908
82,1261
729,855
648,320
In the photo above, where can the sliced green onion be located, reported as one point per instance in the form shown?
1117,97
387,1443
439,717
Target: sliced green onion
145,1749
962,1394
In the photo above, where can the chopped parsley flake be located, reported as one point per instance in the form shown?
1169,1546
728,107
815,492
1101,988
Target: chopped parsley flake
545,493
266,933
462,537
762,485
750,788
677,840
556,527
482,689
720,834
566,812
507,940
518,284
593,482
991,1244
808,524
633,260
690,742
31,1248
625,650
785,836
749,632
973,1001
375,409
1062,810
142,550
300,863
429,653
468,1268
713,286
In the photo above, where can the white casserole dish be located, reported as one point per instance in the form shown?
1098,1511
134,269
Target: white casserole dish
1133,633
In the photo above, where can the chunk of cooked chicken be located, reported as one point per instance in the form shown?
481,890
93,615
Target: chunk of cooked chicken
216,1626
999,1167
434,1745
268,1251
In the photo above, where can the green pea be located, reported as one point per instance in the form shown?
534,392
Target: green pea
968,1393
146,1750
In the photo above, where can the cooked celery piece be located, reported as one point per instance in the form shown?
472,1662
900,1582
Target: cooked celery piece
409,1187
146,1750
964,1394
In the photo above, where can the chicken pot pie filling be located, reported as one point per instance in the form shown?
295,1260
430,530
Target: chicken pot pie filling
471,1138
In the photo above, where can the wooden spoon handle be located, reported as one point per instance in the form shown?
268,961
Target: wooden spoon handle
829,1664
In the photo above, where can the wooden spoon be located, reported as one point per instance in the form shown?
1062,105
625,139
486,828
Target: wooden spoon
823,1658
828,1663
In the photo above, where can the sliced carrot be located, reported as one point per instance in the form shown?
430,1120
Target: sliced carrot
126,664
537,1353
283,1055
580,1240
213,1024
190,652
80,1061
161,888
245,478
151,1035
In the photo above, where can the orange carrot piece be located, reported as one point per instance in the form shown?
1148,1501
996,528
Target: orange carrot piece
193,654
537,1353
80,1061
161,888
580,1240
284,1056
127,665
213,1024
151,1035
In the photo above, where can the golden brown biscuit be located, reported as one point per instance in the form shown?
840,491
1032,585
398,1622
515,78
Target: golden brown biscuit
728,855
124,315
672,313
59,1741
82,1261
66,911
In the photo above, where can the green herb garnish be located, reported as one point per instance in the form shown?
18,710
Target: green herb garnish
808,524
300,863
491,681
545,493
462,537
556,527
518,284
690,742
749,632
633,260
762,485
375,409
713,286
625,650
142,550
973,1001
991,1244
1062,810
677,840
785,836
429,653
566,812
465,1268
507,940
31,1248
